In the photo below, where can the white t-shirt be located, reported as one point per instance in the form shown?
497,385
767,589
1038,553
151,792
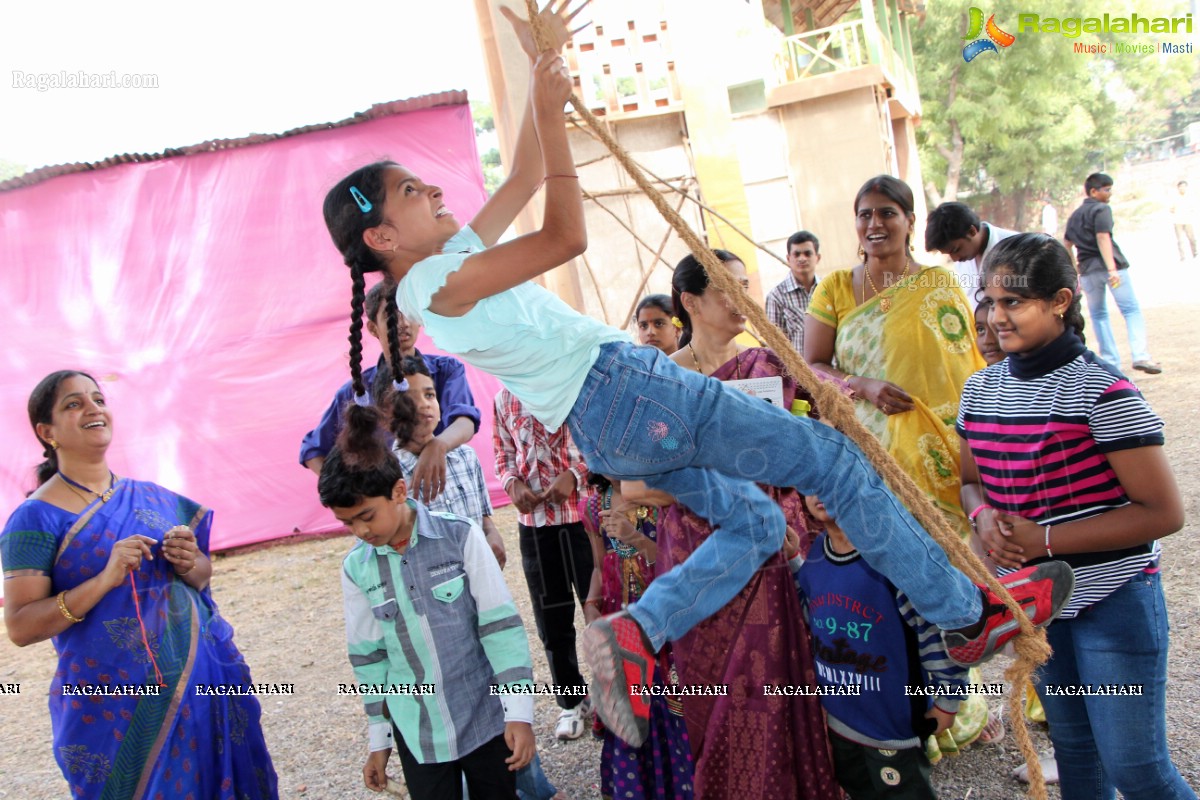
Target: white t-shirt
970,277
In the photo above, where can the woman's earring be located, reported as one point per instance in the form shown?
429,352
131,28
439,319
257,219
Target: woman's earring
53,444
911,248
862,254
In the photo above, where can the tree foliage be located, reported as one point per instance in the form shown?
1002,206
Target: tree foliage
1032,120
485,135
483,117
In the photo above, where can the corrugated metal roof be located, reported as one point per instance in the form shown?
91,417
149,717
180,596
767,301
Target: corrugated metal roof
451,98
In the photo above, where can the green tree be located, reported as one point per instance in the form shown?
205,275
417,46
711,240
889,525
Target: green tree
485,136
483,116
1034,118
493,171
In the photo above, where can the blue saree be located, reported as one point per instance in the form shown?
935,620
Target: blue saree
118,734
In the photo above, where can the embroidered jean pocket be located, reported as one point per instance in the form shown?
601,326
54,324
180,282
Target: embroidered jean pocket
655,436
448,591
385,611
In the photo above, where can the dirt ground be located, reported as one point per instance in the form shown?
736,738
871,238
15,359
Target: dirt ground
285,604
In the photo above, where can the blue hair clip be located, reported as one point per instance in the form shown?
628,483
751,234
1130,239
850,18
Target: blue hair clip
402,386
363,400
361,199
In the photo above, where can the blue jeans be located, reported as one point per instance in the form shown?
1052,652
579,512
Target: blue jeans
1106,743
532,783
1095,285
640,417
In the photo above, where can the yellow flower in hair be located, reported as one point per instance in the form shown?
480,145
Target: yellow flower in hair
677,322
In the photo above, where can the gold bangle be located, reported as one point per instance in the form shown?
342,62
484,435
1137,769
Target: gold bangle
62,606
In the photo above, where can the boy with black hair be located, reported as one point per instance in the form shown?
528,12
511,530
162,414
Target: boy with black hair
891,680
431,628
787,303
1102,266
956,230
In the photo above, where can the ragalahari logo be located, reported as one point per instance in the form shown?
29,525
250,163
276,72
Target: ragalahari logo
980,45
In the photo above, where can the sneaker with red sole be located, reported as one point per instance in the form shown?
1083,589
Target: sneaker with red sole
1041,591
615,649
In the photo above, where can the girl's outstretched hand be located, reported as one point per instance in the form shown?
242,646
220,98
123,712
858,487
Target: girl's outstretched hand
551,85
557,22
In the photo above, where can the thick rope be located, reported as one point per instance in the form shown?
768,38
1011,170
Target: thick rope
837,410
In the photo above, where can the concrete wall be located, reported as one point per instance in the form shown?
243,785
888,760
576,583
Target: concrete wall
770,194
835,143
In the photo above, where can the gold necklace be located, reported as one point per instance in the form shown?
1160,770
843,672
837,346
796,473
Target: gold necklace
885,303
86,500
736,362
102,496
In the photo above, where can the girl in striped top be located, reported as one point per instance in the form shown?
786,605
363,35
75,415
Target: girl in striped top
1063,458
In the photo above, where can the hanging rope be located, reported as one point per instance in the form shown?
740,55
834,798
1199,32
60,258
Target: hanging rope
838,411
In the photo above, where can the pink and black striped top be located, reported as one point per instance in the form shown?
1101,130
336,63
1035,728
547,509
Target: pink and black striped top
1041,446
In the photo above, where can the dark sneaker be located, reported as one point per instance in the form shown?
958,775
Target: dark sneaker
1148,367
615,648
1041,591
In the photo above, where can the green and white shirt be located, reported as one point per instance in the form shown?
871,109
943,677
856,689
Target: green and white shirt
430,633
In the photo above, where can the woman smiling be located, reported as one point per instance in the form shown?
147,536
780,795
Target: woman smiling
116,572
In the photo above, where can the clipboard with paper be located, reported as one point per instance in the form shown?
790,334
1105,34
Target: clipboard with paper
769,389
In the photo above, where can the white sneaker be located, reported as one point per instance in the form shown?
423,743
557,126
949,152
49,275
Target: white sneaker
572,722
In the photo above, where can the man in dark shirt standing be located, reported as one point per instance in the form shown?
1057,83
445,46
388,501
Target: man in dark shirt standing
1103,266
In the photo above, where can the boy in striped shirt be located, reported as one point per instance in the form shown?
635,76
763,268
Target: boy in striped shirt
426,608
891,681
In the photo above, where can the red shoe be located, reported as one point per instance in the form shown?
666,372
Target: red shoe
1041,591
615,648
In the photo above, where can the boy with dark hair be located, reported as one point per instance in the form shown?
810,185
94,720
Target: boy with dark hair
787,303
1102,266
897,683
430,627
955,229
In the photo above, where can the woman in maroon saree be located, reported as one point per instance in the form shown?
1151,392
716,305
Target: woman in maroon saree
748,743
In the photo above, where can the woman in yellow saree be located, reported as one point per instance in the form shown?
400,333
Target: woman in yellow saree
902,338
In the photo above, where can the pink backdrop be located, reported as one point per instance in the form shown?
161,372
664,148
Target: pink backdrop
204,293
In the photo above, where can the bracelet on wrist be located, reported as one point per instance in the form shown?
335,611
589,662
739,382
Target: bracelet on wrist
66,612
1049,552
973,517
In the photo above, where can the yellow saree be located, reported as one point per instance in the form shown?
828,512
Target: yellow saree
925,344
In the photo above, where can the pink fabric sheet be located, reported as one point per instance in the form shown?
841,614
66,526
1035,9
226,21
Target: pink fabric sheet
204,293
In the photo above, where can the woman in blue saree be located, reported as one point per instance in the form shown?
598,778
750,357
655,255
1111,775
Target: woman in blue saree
150,696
